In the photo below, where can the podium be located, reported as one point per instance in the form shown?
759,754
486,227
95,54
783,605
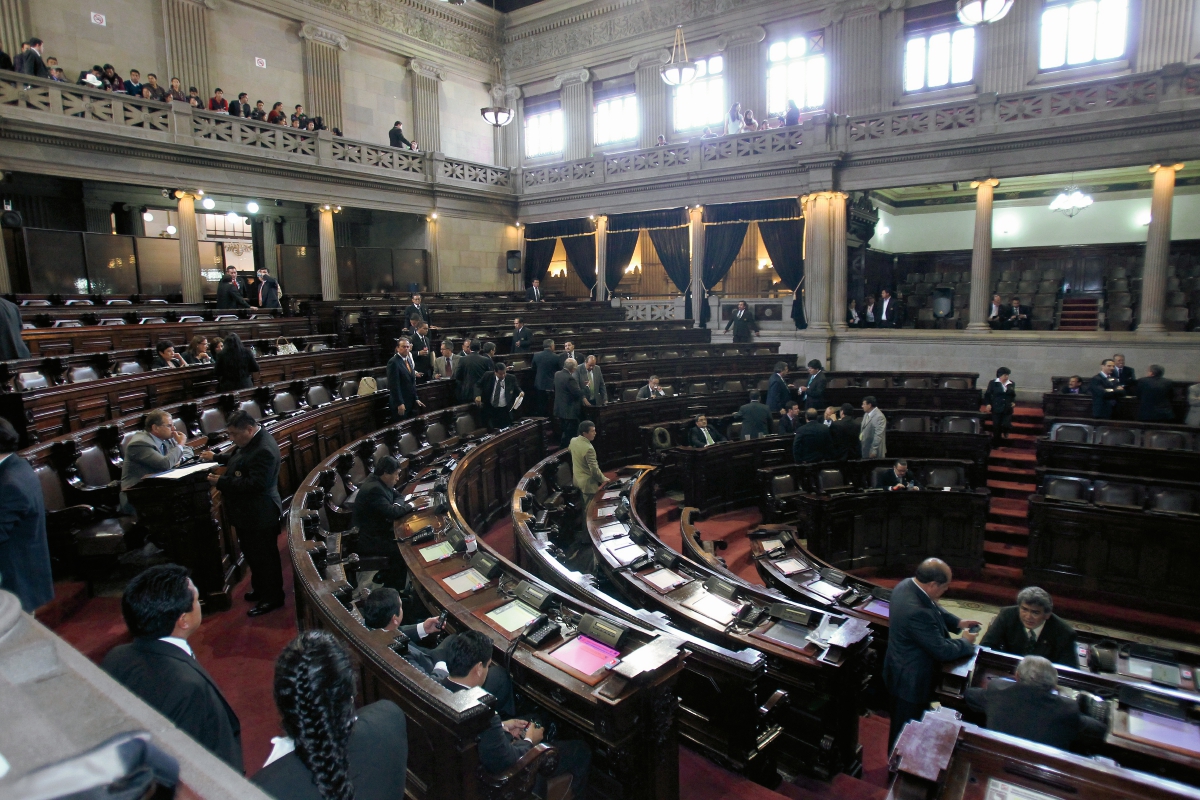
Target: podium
183,515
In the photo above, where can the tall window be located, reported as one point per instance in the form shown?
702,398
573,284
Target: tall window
1083,32
702,103
935,60
615,111
543,126
796,71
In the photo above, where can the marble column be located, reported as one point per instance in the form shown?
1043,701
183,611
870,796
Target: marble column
328,256
270,258
185,25
853,48
427,118
981,255
577,113
432,230
1158,247
322,73
839,279
1165,33
818,255
14,26
696,220
602,288
745,80
652,96
189,251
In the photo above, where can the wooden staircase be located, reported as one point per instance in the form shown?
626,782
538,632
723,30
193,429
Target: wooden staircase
1079,314
1011,481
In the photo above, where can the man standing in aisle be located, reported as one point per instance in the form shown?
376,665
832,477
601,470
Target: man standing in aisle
402,382
545,365
268,290
534,293
568,401
873,429
585,469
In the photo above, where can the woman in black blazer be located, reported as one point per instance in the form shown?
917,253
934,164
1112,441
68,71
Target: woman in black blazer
330,752
234,365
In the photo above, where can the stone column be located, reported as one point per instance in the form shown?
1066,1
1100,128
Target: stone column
427,118
577,113
432,229
14,26
839,279
602,288
1158,246
322,73
1165,34
328,256
853,48
818,256
652,96
744,76
981,255
5,276
185,26
270,258
295,231
696,220
189,251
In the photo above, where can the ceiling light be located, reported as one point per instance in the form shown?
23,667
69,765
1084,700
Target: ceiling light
1071,201
882,230
171,229
433,215
147,216
680,69
252,207
233,216
981,12
208,203
1143,218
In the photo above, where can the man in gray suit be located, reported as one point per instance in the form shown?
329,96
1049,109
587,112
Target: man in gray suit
591,380
157,448
874,430
568,401
443,365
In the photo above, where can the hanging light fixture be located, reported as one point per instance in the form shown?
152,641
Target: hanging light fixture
1071,201
981,12
679,70
497,114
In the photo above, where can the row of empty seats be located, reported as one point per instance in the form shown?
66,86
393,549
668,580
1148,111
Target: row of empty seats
1119,494
829,481
1123,436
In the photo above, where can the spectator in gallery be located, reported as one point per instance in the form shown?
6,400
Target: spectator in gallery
299,115
662,141
337,131
197,352
114,81
415,147
193,92
241,106
1105,390
792,116
868,314
259,114
852,318
1074,386
32,63
396,137
175,93
1018,317
708,134
749,122
52,67
218,103
319,123
157,91
997,313
888,310
19,59
6,61
166,357
277,117
734,123
311,125
133,85
295,124
1154,397
194,102
146,93
57,74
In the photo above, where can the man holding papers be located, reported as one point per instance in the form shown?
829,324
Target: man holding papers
585,469
157,448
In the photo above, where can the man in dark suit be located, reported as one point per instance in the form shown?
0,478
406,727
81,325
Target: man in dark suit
497,393
702,434
396,137
568,401
241,107
33,64
814,393
534,293
919,642
268,290
1104,391
468,660
651,391
745,327
377,506
789,421
1124,375
999,399
997,313
1032,709
12,346
402,382
899,479
469,372
568,352
591,380
1031,628
162,610
522,341
24,548
415,308
777,389
250,489
1017,318
845,431
812,442
1154,397
1074,386
888,313
422,348
230,292
756,420
545,365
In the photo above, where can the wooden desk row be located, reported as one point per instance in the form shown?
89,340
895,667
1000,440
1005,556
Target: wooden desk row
1056,404
618,441
100,338
882,381
366,321
668,361
627,335
1150,462
47,316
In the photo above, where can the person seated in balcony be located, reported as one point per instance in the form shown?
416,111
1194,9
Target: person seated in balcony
241,106
166,358
853,320
114,81
277,115
157,91
1074,386
259,114
175,93
997,313
133,85
662,141
889,310
750,123
218,103
1018,317
792,116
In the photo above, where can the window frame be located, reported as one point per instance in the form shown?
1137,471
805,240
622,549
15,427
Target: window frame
813,40
724,99
637,128
549,155
951,87
1085,69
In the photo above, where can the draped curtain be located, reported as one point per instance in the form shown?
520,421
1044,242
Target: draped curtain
671,235
784,240
581,256
623,231
540,238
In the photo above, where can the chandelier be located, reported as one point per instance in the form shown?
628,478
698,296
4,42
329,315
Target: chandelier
981,12
1071,201
679,70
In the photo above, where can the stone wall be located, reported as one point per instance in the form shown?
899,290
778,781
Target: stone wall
470,255
464,133
376,91
236,36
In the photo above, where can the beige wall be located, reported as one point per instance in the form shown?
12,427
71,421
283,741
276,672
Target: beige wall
375,93
236,35
464,133
133,36
471,254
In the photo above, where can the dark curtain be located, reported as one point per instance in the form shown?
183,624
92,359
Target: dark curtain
581,255
618,253
721,246
671,241
540,240
785,246
537,259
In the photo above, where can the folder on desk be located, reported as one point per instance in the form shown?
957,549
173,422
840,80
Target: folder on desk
613,531
790,566
627,553
513,616
586,655
180,472
437,552
465,582
610,495
713,607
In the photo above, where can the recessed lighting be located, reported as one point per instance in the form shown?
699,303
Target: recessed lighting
208,203
252,207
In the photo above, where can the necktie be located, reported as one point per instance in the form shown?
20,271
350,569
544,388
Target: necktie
260,291
707,437
164,448
496,395
449,368
408,362
1032,638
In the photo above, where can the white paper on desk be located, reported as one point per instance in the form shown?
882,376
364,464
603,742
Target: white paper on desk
820,634
423,488
517,403
610,495
180,472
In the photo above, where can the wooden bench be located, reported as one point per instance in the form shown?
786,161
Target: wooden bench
101,338
1170,452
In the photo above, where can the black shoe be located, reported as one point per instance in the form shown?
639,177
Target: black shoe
264,608
250,597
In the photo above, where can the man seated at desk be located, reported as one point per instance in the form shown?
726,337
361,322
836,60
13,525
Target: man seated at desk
377,506
157,448
900,479
1074,386
1032,709
468,659
651,390
1031,628
702,435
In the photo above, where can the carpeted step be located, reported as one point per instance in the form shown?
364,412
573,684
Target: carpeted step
1013,489
69,597
1012,454
1002,529
1012,555
999,573
1010,473
1008,509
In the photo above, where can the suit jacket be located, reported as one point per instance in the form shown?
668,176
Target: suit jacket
143,457
377,752
545,364
469,373
597,395
696,437
522,341
585,469
756,420
250,484
376,508
439,365
742,325
918,642
402,386
1069,390
645,394
231,295
1154,400
892,479
414,310
33,64
845,438
1125,376
181,690
815,396
886,313
1011,321
1008,635
1034,713
239,109
568,395
161,363
812,442
1002,399
232,374
874,435
24,549
424,363
487,390
534,295
778,393
564,355
1104,395
267,294
397,138
12,346
787,425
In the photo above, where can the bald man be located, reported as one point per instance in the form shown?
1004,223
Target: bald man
919,642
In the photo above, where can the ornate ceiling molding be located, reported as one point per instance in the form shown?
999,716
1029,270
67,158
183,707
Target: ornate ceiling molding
428,22
316,33
753,35
574,76
504,95
650,58
426,69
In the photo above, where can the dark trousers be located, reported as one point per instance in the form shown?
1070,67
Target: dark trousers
497,417
903,712
544,400
570,427
575,758
1001,424
260,547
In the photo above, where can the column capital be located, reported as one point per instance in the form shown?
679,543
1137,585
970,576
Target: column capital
501,93
426,69
650,58
574,76
825,195
993,182
696,214
752,35
1175,167
323,35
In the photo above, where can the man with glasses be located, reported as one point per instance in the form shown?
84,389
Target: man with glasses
156,448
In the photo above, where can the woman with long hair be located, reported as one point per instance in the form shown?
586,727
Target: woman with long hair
276,116
234,365
792,117
734,123
750,123
197,352
329,752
